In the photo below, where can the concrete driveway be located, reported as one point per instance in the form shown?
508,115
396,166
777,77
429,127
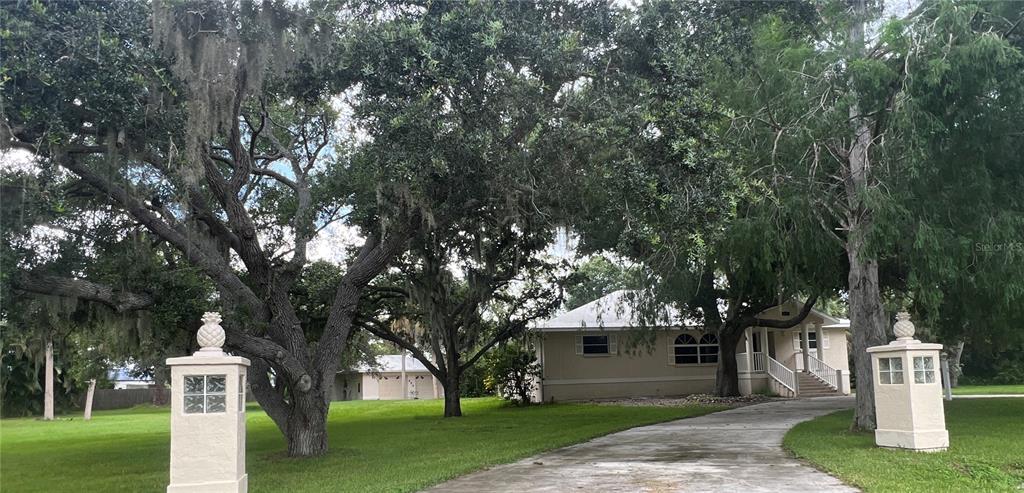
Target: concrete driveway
735,450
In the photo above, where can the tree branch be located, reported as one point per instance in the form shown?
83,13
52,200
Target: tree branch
119,301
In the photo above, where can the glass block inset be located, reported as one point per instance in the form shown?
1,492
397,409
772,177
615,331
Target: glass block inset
215,403
205,394
215,384
194,385
194,404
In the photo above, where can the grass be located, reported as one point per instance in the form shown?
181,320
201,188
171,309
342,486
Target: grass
387,446
986,451
988,389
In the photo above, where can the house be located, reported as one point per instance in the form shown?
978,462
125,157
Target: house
591,353
122,379
384,381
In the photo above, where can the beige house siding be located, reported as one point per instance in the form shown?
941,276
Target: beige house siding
569,376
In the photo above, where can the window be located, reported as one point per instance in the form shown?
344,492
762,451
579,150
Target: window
686,350
708,348
890,371
924,369
205,394
689,351
812,340
755,342
595,344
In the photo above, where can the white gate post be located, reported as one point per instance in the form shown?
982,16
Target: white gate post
908,393
208,416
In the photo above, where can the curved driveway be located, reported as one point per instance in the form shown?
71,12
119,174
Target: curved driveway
735,450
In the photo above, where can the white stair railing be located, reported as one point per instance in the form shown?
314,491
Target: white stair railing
757,360
824,372
781,374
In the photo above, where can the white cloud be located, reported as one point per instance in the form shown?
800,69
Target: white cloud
333,243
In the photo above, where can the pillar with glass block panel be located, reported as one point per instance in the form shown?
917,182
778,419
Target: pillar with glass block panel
208,416
908,393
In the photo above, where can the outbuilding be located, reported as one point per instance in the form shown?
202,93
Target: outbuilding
393,377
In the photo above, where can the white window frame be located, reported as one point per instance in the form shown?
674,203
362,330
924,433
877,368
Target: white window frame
888,373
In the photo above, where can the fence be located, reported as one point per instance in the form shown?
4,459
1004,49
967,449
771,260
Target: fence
125,398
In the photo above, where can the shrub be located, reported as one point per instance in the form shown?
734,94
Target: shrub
472,384
511,372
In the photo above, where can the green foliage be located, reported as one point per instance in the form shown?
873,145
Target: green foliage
960,210
512,370
646,136
993,366
473,382
598,276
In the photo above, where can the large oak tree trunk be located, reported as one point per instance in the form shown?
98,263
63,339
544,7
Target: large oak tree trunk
307,425
452,395
727,382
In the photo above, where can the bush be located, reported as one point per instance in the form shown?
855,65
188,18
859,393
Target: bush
1002,368
472,384
511,372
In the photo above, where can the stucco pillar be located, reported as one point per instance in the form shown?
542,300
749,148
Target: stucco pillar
208,416
819,339
908,392
765,344
805,346
748,333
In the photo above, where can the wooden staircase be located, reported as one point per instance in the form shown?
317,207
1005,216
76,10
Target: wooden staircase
810,386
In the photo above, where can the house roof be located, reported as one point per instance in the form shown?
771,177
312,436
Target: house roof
612,311
387,363
123,374
615,311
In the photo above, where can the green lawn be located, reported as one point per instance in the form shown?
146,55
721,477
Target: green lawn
375,445
988,389
986,451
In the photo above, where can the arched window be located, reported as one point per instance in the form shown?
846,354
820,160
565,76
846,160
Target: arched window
708,348
690,351
686,350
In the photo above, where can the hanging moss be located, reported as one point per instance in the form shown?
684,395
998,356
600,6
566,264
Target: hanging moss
222,54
